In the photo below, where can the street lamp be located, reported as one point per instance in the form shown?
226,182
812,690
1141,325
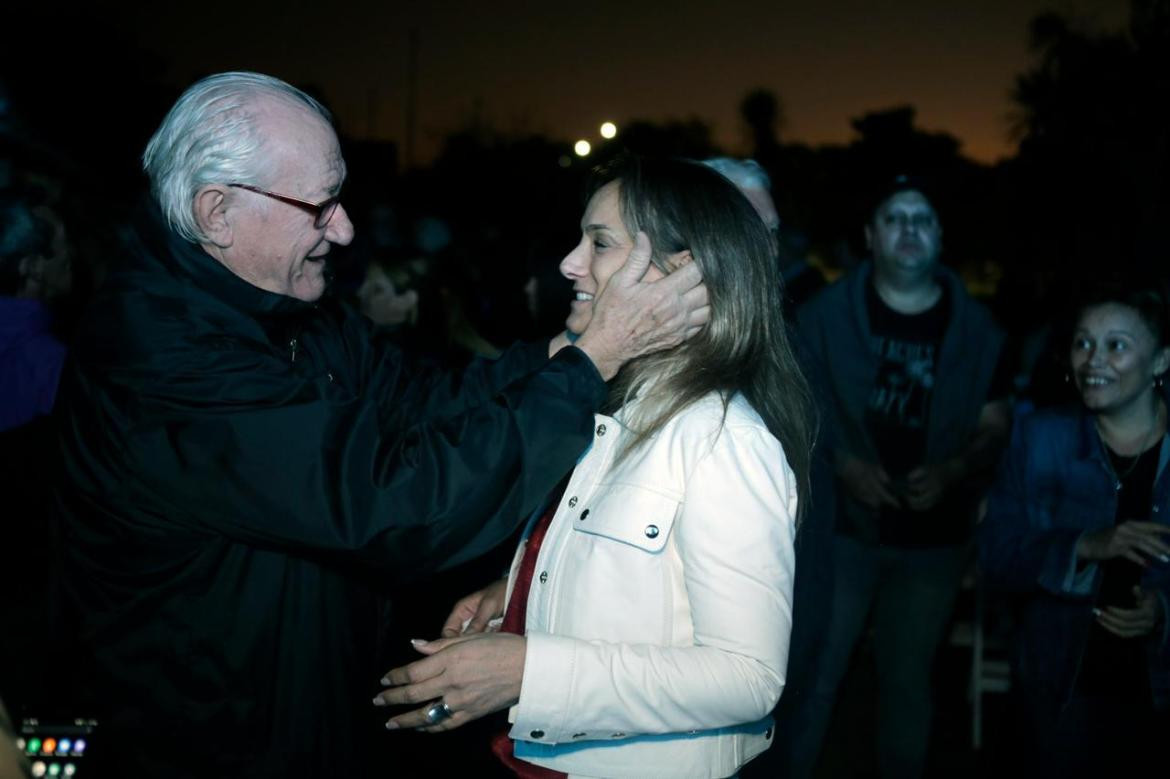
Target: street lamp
608,130
582,148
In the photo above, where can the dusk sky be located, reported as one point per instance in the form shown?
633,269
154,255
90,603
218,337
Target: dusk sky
561,69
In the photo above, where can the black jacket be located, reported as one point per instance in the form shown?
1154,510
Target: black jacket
242,472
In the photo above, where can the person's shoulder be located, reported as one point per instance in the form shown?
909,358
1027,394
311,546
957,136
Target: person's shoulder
972,309
830,298
715,417
1058,426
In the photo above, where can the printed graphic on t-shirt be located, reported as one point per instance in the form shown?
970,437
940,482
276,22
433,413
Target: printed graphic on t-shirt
904,380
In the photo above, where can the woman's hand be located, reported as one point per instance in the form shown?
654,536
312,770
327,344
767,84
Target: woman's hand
474,675
473,613
1132,623
1133,540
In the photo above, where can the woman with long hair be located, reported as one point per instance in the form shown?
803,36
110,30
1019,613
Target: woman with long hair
646,617
1077,526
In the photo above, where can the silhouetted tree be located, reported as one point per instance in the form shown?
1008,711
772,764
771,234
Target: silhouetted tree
1094,163
763,113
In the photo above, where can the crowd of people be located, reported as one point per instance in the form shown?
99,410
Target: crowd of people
256,462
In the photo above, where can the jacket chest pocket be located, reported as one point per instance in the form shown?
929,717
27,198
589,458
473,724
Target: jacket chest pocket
621,579
639,517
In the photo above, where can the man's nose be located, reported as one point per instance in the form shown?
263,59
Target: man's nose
339,230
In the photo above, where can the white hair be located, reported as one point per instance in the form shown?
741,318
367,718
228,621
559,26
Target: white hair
745,174
210,136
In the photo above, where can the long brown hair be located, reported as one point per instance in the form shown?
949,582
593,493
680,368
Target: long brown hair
744,347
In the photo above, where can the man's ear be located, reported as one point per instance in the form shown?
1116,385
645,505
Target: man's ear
678,260
210,206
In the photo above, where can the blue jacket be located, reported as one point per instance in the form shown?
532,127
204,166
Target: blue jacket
30,361
1055,484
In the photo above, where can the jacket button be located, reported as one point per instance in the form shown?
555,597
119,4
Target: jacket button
580,735
330,375
601,430
572,501
768,733
584,514
543,577
537,734
652,531
618,735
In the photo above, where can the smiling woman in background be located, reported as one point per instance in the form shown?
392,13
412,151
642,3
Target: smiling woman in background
1077,525
649,608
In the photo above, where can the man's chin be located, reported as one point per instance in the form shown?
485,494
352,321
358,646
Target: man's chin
310,285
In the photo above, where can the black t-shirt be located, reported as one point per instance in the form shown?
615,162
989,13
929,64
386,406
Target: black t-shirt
898,409
1115,666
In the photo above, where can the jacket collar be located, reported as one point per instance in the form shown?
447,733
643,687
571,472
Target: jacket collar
1091,447
162,248
861,279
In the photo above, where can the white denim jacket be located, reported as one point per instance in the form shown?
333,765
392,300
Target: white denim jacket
661,605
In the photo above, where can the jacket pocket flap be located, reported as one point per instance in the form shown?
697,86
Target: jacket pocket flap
631,514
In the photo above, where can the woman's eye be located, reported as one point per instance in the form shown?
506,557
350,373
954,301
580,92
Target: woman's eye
1118,346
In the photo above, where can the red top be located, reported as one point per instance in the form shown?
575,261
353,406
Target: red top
514,618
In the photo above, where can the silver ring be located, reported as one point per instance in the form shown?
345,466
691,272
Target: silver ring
437,712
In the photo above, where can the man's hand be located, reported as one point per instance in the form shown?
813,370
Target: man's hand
633,317
1133,540
868,483
474,675
1132,623
927,484
474,613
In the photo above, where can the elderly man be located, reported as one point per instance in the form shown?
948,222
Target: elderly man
244,466
905,362
801,280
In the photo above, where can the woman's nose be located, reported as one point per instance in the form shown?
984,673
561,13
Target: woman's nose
575,264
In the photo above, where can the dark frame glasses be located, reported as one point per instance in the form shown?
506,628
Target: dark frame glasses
322,212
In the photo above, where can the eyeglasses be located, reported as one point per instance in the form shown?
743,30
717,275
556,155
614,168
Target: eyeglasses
322,212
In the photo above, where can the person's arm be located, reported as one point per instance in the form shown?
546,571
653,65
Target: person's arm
736,545
229,442
631,317
1020,547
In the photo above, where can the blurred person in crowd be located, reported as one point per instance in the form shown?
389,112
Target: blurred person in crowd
812,596
417,301
35,273
653,640
904,361
389,294
245,467
35,280
801,280
1077,526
